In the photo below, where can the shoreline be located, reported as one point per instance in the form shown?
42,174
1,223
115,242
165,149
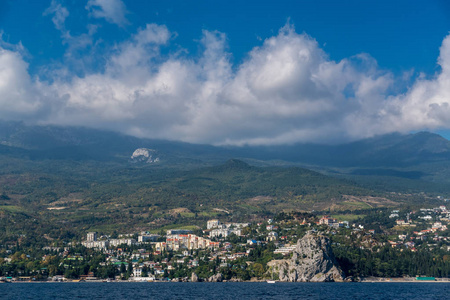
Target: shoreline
381,280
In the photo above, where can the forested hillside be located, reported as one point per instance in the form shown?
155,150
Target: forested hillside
59,196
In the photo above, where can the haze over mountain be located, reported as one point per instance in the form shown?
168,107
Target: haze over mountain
410,156
385,150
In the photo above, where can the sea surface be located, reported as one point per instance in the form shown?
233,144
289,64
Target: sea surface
229,290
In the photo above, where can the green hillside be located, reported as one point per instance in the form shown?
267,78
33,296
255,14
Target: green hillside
64,181
69,197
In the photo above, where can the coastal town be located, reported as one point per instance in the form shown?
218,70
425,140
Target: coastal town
231,251
224,150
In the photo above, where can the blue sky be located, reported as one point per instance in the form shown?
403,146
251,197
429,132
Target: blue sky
228,72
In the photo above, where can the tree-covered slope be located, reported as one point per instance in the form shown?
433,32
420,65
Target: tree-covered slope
82,195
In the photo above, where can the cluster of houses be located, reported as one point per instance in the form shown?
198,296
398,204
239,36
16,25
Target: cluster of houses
176,239
105,242
184,239
433,218
426,214
438,215
332,222
217,229
147,254
179,239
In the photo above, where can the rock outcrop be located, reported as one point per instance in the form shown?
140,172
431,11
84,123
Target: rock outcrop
235,279
312,261
144,155
194,277
216,278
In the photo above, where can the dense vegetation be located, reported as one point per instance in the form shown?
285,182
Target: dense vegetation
56,197
359,253
389,262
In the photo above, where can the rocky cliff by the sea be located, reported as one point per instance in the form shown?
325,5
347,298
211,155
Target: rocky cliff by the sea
312,261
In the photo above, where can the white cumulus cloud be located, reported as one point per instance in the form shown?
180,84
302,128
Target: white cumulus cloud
19,96
287,90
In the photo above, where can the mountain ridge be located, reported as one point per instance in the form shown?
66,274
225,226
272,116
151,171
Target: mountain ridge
420,156
390,149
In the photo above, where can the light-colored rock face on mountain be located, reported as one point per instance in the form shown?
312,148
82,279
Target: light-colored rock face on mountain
312,261
145,155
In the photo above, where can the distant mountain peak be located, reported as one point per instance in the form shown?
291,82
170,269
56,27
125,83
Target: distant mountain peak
236,164
428,142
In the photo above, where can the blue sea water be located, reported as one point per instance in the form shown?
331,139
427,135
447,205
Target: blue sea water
227,290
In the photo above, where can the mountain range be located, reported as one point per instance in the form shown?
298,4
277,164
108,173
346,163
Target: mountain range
418,156
395,149
78,179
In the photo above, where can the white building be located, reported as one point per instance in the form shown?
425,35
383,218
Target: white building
117,242
219,232
96,244
212,224
137,272
147,238
91,241
224,232
176,242
91,236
